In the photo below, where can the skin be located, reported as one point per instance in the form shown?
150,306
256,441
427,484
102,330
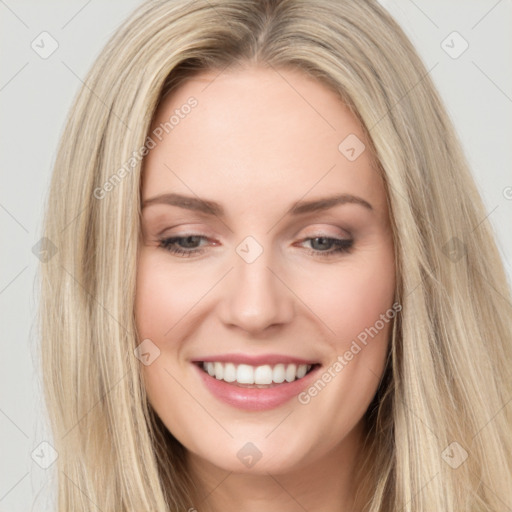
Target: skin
257,142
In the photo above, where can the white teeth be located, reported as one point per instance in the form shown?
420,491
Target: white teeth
229,372
244,374
258,375
301,370
263,375
278,374
219,370
290,373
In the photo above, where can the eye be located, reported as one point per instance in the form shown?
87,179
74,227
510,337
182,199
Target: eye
183,245
327,246
190,245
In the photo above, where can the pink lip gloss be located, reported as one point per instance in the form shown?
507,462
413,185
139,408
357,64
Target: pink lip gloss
255,399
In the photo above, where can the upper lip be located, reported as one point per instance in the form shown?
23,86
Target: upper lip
254,360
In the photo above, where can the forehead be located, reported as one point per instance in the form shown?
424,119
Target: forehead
259,134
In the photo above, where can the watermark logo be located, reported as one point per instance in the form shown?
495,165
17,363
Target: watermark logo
454,45
44,45
44,455
146,352
44,249
454,249
249,455
249,249
454,455
351,147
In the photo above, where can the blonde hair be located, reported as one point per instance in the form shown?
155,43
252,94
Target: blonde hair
449,378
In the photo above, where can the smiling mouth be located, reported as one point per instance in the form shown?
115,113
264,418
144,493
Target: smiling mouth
263,376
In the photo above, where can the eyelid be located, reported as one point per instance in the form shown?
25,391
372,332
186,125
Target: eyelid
184,230
199,229
320,230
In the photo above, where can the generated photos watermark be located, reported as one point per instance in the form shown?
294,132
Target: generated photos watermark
151,141
344,359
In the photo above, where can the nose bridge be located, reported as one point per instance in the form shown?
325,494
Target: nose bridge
255,298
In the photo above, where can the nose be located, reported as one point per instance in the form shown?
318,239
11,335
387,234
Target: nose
254,297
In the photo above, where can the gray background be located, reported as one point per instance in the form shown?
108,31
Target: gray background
36,93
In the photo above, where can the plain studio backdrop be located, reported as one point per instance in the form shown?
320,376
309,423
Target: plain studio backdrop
47,48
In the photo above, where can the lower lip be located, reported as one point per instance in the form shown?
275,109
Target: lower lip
256,399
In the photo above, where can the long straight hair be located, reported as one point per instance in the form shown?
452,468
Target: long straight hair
439,429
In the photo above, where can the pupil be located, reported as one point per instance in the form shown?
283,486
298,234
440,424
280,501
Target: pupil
325,243
189,241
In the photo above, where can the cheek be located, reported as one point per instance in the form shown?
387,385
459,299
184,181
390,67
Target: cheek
356,302
163,298
353,298
161,302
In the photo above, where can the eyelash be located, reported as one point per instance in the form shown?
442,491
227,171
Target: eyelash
341,246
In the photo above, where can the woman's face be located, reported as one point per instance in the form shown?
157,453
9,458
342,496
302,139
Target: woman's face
266,252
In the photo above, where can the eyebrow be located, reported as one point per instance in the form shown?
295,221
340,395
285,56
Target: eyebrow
213,208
